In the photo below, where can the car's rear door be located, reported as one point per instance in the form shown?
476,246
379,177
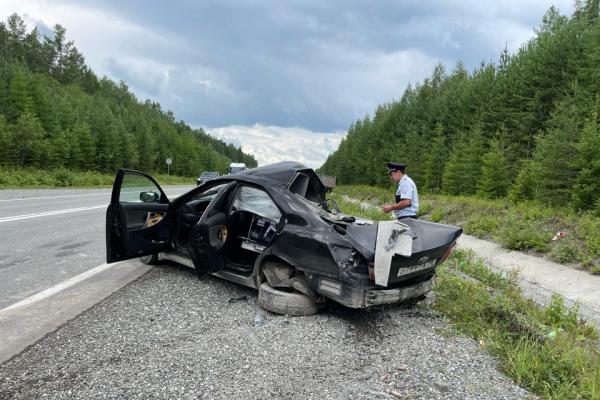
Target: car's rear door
138,219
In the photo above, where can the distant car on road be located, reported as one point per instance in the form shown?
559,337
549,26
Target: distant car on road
206,176
237,167
272,228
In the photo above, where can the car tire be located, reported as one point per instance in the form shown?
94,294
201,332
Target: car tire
285,303
151,259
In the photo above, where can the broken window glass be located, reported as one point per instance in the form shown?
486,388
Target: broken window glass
257,202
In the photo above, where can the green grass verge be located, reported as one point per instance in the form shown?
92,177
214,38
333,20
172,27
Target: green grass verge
524,226
34,178
548,350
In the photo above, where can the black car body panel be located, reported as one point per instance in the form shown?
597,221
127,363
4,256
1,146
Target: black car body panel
231,225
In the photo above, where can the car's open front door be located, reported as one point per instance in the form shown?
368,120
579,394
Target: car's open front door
138,220
208,237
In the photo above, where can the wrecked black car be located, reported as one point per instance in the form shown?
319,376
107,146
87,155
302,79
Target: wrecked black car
272,228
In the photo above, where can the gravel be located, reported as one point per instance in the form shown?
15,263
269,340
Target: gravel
169,335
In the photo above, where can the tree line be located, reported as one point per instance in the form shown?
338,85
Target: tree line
524,127
55,112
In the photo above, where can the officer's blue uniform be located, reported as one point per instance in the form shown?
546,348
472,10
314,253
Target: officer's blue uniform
407,190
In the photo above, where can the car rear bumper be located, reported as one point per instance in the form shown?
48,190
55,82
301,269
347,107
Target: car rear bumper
389,296
363,294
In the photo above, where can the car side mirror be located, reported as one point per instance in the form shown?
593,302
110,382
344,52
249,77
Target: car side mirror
149,197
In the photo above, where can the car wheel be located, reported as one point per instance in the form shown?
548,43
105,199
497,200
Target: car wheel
289,303
151,259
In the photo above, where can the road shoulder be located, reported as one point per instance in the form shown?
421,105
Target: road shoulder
25,323
540,278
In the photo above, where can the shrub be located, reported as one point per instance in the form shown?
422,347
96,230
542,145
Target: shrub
63,177
519,234
565,251
557,315
481,225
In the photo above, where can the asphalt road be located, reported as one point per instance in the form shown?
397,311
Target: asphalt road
50,235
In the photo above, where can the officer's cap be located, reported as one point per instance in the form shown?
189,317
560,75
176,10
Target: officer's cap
394,166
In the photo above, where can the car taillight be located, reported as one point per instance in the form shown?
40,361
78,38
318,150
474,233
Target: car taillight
448,252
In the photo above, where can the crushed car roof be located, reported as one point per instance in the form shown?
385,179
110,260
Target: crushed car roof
282,172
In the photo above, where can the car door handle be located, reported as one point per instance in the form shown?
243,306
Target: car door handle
158,241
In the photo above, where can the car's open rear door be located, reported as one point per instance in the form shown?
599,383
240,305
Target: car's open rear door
138,220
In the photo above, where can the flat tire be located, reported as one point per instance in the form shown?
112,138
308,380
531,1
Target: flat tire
285,303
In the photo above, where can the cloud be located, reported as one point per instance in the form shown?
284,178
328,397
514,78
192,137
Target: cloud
271,144
254,67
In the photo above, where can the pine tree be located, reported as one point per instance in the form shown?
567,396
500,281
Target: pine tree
494,179
551,169
526,184
27,136
87,146
463,165
434,160
586,188
74,160
42,105
60,150
20,101
146,146
5,142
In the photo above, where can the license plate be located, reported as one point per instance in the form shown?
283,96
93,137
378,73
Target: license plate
414,268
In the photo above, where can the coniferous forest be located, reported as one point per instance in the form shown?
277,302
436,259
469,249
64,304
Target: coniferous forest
526,126
56,113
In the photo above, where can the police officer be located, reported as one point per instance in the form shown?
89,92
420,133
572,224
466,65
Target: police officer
407,199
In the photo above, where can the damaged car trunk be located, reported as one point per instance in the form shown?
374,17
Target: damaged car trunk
272,228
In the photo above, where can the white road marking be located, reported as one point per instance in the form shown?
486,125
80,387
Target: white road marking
57,288
48,213
56,212
69,195
56,197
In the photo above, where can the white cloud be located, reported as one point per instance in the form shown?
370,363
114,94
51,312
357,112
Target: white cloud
311,64
270,144
100,34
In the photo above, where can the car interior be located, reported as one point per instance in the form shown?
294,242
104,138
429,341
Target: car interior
242,224
251,224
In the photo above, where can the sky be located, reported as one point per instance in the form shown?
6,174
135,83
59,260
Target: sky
282,79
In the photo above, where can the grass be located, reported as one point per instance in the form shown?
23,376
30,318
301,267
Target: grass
548,350
525,226
61,177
